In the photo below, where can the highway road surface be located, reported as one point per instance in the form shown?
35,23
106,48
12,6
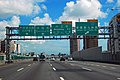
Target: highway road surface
56,70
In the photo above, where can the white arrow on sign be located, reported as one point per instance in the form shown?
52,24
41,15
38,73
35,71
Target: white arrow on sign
87,32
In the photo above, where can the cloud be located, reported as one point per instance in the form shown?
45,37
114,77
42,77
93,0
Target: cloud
40,0
15,21
18,7
36,9
118,3
83,9
46,20
44,7
110,1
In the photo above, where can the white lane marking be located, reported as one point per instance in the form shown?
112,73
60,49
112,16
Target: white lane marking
54,69
92,64
97,65
29,65
86,69
103,66
113,68
72,64
118,78
61,78
0,78
50,64
20,69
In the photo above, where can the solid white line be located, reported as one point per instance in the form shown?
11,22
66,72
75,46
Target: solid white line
54,69
86,69
29,65
50,64
20,69
61,78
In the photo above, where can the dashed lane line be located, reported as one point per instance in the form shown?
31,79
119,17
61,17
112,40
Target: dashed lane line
29,65
50,64
54,69
104,66
86,69
72,64
112,67
0,78
61,78
20,69
97,65
92,64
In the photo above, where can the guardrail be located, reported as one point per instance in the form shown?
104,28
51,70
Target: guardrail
15,57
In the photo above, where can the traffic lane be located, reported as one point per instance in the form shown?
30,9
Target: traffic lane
70,72
8,70
37,71
95,65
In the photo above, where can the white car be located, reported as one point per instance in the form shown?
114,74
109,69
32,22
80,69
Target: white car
70,58
52,59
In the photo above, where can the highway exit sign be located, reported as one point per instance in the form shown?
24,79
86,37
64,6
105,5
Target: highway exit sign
34,30
87,28
61,29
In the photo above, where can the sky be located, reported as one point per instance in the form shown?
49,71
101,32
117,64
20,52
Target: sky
40,12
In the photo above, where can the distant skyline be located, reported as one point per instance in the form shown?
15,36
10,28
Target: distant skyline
41,12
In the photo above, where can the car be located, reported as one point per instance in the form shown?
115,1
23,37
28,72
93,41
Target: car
62,59
8,61
70,58
52,59
35,58
41,60
42,57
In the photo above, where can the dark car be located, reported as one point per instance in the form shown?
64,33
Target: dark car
35,58
62,59
41,57
8,61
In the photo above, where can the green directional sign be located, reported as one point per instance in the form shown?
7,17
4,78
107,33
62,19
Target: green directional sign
26,30
61,29
87,28
42,30
31,30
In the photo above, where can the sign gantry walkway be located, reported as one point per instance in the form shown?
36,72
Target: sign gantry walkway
15,33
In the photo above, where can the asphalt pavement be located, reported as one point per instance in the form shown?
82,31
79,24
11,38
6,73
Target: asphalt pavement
56,70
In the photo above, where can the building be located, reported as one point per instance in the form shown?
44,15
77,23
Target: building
13,47
90,41
115,33
74,44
